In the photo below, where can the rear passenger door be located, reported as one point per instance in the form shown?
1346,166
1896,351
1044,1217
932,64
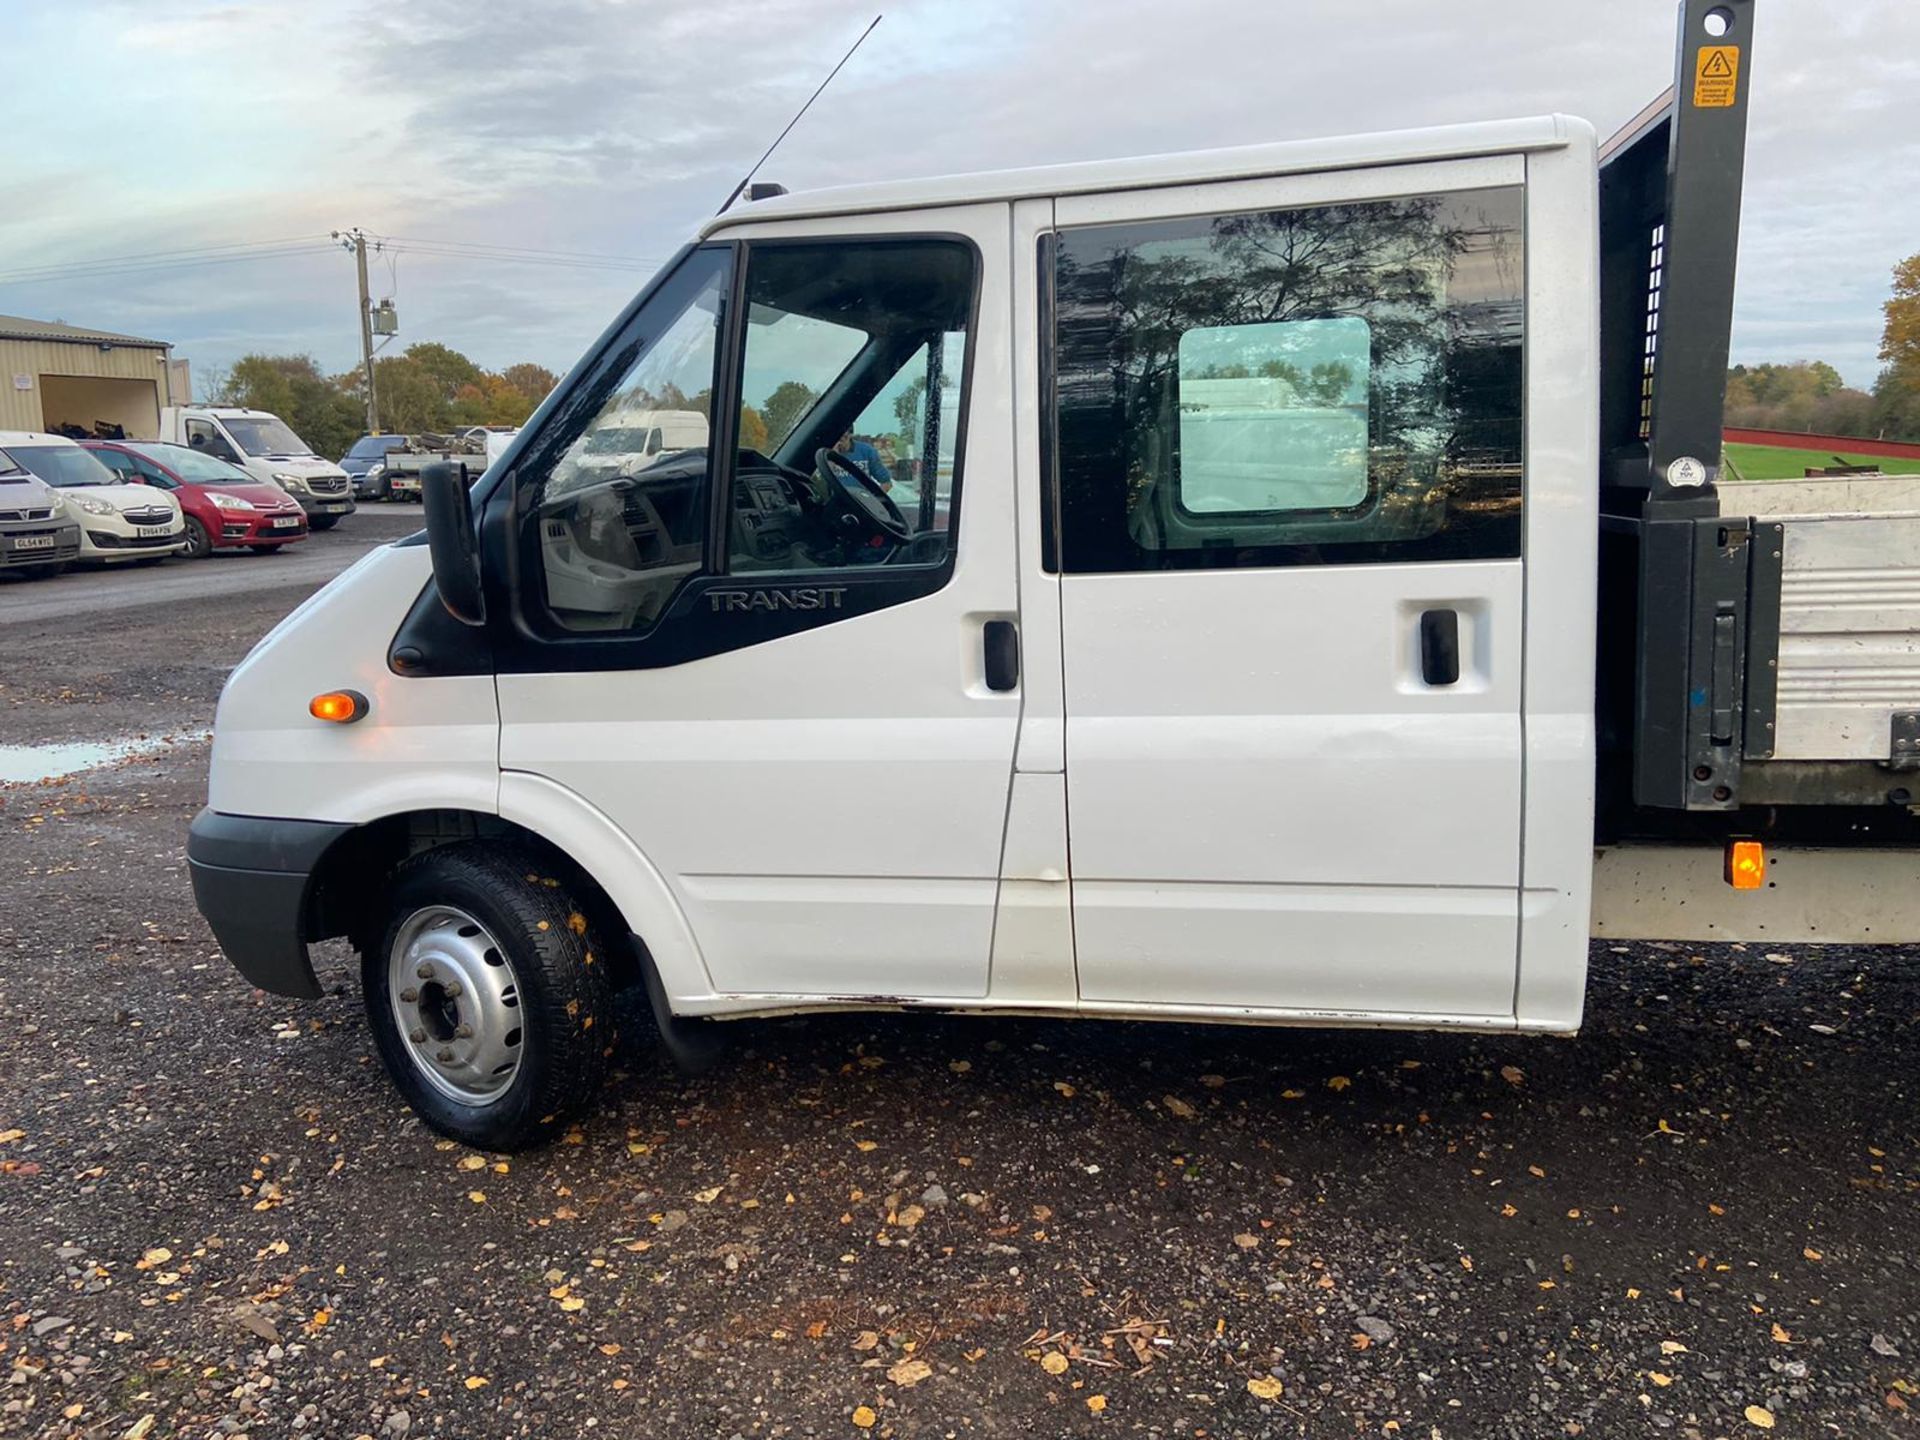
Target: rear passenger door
1287,501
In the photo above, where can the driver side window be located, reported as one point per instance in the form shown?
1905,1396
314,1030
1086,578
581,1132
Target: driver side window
844,462
622,508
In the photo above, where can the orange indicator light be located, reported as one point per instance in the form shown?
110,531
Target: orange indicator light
1746,865
340,706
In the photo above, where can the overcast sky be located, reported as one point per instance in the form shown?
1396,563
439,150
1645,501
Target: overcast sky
613,127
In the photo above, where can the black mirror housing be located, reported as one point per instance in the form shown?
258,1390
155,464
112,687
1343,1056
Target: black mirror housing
452,543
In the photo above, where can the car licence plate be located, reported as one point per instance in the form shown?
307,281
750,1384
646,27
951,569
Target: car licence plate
33,542
153,532
333,509
285,522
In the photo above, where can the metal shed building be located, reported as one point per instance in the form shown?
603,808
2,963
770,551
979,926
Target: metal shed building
53,374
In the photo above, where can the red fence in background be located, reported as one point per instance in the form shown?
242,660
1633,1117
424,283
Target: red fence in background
1836,444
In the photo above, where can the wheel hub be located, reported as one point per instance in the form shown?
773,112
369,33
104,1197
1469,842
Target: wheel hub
456,1002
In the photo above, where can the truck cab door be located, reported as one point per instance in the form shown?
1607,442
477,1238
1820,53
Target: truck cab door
1318,508
764,657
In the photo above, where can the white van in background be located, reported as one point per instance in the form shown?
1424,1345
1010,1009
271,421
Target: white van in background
264,445
632,440
118,522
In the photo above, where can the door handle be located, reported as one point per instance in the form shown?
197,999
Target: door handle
1002,646
1440,647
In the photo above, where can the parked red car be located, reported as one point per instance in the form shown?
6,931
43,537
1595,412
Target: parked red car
225,506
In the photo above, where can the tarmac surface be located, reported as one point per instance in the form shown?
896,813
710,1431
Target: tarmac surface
1696,1219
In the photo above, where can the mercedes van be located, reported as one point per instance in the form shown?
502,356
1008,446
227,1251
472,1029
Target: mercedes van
264,445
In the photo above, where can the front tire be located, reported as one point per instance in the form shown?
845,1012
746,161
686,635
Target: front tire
490,1008
199,542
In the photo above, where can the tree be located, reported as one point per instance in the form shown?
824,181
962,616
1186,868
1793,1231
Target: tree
784,407
491,400
449,369
410,396
535,382
1900,340
753,429
293,387
1896,405
1803,395
1896,395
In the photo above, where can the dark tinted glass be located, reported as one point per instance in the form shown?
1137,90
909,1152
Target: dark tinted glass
1338,384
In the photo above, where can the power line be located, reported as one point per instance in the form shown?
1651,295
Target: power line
193,258
628,267
101,270
185,250
523,249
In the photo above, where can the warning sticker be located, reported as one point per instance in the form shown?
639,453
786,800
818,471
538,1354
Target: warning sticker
1716,75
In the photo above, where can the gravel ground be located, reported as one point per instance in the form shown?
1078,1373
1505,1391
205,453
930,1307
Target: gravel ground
216,1218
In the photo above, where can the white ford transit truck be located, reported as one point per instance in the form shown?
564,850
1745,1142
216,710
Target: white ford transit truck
1332,615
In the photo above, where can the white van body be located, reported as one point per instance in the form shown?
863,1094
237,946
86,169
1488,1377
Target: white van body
119,523
1221,646
265,446
1181,810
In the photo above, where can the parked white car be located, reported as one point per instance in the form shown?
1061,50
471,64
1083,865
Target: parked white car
118,522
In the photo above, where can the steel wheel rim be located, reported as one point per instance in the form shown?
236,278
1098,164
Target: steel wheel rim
456,1003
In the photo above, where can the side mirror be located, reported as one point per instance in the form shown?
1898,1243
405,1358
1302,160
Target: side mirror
451,542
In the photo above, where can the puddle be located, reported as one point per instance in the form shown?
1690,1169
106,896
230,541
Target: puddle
25,764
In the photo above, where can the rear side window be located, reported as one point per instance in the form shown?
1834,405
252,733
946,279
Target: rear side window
1335,384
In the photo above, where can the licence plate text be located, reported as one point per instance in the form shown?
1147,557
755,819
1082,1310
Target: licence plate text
33,542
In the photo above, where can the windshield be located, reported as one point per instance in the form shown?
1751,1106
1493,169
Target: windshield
10,468
372,447
194,466
264,435
64,465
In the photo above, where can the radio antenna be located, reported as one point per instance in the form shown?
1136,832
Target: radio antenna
747,179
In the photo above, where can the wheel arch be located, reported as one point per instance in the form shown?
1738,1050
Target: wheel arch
626,897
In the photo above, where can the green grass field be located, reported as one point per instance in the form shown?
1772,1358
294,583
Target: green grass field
1776,462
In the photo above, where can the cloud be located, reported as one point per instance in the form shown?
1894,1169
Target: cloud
615,126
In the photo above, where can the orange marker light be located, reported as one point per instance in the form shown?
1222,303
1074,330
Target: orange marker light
340,706
1746,865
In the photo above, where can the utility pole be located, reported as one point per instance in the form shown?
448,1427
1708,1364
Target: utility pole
356,241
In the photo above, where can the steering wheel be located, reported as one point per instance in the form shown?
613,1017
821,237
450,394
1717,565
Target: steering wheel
858,498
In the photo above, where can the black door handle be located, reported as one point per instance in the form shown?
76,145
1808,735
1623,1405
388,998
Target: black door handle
1440,647
1002,643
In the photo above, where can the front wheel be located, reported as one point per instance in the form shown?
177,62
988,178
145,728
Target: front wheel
490,1009
199,542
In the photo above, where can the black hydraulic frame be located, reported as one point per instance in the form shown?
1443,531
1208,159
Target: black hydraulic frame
1676,575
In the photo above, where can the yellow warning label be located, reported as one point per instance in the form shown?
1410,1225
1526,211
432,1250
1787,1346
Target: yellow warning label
1716,75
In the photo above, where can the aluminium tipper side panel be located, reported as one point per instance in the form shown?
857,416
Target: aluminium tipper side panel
1849,637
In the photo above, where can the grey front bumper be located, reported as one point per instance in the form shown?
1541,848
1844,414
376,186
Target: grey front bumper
250,877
